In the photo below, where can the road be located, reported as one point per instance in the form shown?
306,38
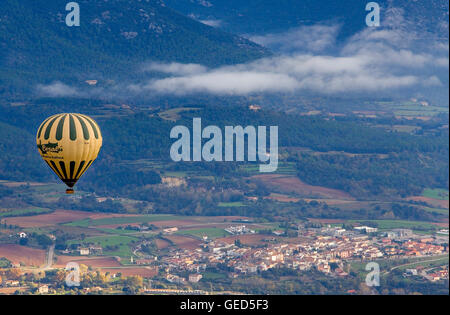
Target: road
414,263
50,255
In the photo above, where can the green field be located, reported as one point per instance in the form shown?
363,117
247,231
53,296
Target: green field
210,232
441,194
116,231
427,264
174,113
387,265
231,204
437,210
126,220
4,263
123,243
415,109
23,212
213,275
175,174
285,168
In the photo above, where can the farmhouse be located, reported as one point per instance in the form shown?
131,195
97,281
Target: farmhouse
170,230
175,279
239,229
11,283
43,289
195,278
84,251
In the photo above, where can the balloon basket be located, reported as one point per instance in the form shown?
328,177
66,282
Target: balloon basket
70,191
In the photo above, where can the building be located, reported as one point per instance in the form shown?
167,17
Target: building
43,289
170,230
11,283
84,251
195,278
91,82
400,233
175,279
95,250
239,229
366,229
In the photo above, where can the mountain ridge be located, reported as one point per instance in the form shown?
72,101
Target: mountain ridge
113,39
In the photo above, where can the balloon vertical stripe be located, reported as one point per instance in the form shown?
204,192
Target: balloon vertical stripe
69,143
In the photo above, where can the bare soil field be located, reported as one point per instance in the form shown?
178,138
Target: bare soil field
11,290
282,198
94,262
160,224
23,255
173,223
291,184
184,242
431,201
57,217
197,221
161,244
442,225
144,272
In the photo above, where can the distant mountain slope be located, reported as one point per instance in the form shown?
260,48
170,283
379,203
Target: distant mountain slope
263,16
114,37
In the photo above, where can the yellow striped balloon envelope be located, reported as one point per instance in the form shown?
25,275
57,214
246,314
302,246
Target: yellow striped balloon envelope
69,143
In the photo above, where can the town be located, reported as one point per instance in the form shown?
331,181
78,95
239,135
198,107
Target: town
327,249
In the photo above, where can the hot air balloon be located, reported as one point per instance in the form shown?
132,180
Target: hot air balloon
69,143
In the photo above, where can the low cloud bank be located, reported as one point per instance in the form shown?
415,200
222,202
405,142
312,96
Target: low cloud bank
375,61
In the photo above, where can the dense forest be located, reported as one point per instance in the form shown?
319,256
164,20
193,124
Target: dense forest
408,163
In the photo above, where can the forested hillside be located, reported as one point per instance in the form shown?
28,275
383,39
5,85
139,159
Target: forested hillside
113,40
375,162
257,17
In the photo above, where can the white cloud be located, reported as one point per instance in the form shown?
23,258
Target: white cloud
57,89
376,61
174,68
371,68
213,23
210,22
313,38
432,81
224,82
